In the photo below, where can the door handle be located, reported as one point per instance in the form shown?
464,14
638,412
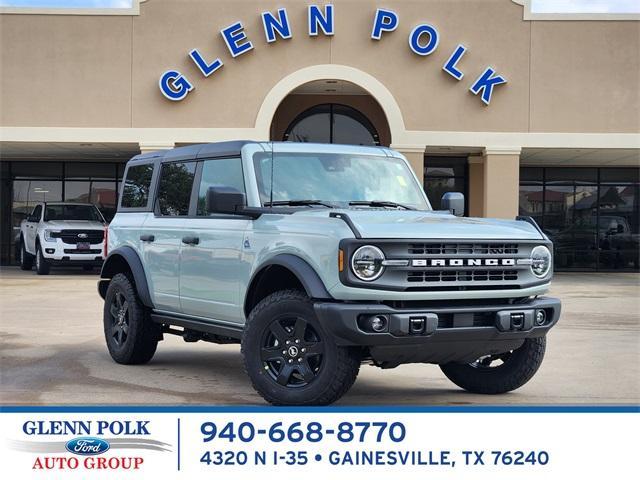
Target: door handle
191,240
147,238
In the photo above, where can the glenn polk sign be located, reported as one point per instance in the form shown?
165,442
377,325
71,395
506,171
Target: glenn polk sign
423,41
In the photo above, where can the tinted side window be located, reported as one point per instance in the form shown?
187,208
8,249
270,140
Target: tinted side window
174,191
136,186
37,212
223,172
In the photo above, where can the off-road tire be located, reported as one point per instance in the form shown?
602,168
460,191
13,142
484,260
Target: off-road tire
520,367
336,375
42,266
142,335
26,259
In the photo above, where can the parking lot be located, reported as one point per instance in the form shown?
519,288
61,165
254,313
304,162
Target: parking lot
53,352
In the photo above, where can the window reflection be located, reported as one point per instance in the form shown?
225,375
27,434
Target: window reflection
174,190
618,227
592,226
570,221
332,123
445,174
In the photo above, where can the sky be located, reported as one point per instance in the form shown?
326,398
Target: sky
585,6
537,6
67,3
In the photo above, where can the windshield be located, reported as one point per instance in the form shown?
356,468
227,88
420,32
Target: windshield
72,212
336,179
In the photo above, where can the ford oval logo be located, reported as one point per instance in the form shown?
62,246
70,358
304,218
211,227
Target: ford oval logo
87,446
83,235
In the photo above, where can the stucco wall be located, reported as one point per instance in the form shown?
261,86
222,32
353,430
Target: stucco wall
102,71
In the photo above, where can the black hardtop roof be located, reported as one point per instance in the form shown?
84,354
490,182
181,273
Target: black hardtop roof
204,150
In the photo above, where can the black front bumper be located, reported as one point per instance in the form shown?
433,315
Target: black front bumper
66,262
460,333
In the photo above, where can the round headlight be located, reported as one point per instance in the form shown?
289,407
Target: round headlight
540,261
366,263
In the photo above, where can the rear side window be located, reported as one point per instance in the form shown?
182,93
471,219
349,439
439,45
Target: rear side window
135,193
223,172
174,190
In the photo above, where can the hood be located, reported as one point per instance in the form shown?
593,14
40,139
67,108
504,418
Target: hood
74,224
377,223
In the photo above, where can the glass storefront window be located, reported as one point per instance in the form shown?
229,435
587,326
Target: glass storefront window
77,192
531,174
618,227
105,197
332,123
80,170
532,202
620,175
593,227
26,193
572,175
37,169
436,187
571,224
26,183
442,175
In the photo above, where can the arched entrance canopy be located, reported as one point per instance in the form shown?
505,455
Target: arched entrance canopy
337,72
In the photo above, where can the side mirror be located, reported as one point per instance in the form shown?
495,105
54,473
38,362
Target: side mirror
454,202
225,200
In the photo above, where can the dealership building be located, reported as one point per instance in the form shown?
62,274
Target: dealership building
525,113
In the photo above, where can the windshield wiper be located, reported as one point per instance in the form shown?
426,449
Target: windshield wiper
298,203
381,203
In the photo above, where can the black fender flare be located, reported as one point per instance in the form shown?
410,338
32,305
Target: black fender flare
131,258
310,280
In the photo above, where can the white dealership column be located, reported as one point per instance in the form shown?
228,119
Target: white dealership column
146,147
501,182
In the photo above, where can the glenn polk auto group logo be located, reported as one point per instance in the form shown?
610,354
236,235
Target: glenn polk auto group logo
94,445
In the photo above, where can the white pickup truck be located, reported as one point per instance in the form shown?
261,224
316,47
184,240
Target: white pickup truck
62,234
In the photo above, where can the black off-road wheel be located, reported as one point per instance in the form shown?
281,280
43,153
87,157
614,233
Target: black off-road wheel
501,373
26,259
42,266
132,338
289,357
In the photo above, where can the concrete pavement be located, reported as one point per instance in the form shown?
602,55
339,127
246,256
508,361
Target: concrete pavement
53,352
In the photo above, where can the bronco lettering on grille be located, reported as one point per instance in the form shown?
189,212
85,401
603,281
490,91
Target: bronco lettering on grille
463,262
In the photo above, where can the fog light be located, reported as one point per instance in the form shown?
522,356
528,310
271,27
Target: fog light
378,323
50,250
541,317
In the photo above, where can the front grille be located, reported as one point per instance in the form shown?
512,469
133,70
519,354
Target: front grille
456,265
71,236
430,276
463,249
93,251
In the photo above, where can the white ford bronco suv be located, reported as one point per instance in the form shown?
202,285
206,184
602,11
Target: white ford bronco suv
59,233
317,258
